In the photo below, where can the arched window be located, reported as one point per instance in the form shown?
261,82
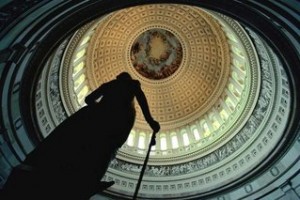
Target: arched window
82,94
130,139
206,129
141,142
79,80
174,140
186,140
238,78
163,142
78,68
229,103
224,114
79,54
85,40
196,133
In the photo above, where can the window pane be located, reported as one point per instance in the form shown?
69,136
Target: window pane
79,54
85,40
130,139
196,134
141,143
186,140
163,143
174,142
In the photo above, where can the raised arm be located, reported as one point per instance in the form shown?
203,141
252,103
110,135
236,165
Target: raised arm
141,98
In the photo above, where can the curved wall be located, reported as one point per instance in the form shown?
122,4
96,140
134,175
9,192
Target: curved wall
28,39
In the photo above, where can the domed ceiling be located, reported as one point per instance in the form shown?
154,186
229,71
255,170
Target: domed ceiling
191,71
179,54
202,77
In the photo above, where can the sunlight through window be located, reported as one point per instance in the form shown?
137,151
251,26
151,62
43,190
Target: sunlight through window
130,139
174,142
141,143
186,140
196,134
163,142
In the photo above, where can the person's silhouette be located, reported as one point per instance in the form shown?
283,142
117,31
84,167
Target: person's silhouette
71,161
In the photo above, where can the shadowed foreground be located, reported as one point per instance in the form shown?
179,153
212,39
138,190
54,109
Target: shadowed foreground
71,161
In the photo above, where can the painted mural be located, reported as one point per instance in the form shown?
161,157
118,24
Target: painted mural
156,54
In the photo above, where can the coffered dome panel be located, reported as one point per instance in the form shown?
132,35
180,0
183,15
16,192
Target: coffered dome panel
199,109
202,65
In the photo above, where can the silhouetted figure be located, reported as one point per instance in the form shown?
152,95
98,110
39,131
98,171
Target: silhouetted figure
71,161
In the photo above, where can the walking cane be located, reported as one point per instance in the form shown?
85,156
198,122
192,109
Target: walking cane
152,143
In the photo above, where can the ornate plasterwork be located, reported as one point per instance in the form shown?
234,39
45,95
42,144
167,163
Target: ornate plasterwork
200,78
197,148
238,115
240,86
206,167
50,110
231,162
253,125
67,69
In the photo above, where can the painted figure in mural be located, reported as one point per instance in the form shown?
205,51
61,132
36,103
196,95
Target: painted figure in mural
71,161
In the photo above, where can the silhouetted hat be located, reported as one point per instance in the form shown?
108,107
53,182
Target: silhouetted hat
124,76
